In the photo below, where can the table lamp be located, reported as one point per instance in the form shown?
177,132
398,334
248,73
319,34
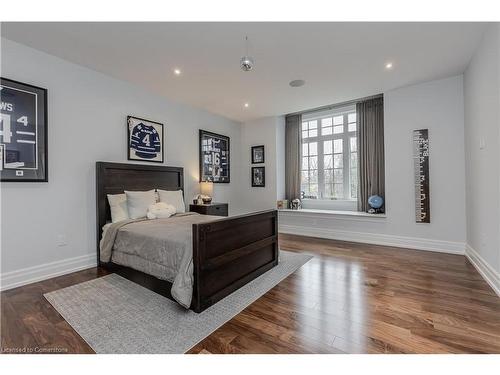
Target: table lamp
207,190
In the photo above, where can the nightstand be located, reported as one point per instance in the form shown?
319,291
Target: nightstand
216,209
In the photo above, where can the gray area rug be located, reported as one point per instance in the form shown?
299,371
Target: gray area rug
115,315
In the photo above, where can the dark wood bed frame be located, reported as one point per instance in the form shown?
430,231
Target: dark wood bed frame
227,253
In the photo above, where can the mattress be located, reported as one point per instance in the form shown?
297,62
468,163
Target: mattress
162,248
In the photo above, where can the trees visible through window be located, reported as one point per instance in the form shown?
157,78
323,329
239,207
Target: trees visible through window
329,156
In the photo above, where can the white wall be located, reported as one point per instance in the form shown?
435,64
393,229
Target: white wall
438,106
270,132
87,113
482,123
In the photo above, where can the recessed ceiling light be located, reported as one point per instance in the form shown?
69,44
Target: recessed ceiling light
388,65
246,105
297,83
177,72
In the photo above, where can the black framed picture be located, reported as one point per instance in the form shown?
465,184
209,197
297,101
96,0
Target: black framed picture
214,157
258,176
258,154
23,132
144,140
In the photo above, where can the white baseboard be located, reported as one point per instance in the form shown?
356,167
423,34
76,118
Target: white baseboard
45,271
377,239
491,276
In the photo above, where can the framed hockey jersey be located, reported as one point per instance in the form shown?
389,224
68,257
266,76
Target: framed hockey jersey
23,132
145,140
214,157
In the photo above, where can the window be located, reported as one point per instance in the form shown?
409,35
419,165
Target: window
329,169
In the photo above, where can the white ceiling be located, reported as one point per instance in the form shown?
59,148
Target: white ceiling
339,61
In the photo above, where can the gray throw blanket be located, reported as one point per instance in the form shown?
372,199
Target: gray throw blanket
166,242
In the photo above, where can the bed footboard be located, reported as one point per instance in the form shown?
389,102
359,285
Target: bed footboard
230,252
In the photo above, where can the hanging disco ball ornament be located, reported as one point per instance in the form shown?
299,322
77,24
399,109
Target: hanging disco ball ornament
246,62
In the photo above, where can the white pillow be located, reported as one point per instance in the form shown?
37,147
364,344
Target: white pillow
174,198
160,210
118,206
138,203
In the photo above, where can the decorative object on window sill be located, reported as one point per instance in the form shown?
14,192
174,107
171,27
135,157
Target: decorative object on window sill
282,204
214,157
23,130
258,154
296,204
421,172
145,140
258,176
206,190
375,202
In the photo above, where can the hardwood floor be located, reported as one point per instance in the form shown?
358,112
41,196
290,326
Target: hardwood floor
350,298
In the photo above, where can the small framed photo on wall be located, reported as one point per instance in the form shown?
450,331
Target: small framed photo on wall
258,176
258,154
144,140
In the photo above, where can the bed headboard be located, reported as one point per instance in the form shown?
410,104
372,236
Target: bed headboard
115,178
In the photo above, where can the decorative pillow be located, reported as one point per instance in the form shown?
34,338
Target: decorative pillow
160,210
138,203
118,206
175,198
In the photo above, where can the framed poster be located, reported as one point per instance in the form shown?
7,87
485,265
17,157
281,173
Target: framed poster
214,157
258,154
258,176
23,132
421,171
144,140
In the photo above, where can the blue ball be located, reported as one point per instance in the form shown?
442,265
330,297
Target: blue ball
375,201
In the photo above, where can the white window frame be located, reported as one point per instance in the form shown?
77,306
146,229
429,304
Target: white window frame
345,204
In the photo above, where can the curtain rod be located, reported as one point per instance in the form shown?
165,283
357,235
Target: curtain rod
332,106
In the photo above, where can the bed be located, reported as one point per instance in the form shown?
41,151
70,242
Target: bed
227,252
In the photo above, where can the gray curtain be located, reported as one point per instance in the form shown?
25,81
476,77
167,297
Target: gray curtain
370,115
292,156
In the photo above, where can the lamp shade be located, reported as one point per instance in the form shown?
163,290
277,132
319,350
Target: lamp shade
207,188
